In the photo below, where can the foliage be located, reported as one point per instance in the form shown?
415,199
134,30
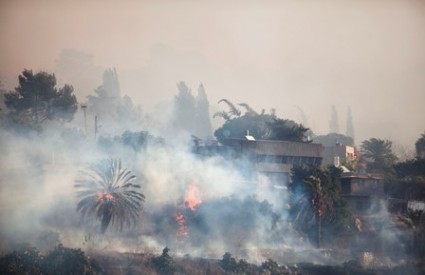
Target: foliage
260,126
415,220
164,264
190,113
184,108
61,260
37,99
107,193
331,139
350,128
137,141
420,147
379,153
27,261
284,129
273,268
233,110
202,119
410,168
230,264
317,196
333,123
2,93
109,105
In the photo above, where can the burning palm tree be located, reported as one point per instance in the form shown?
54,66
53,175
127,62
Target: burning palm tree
107,193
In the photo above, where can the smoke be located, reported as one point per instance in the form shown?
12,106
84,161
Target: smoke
234,209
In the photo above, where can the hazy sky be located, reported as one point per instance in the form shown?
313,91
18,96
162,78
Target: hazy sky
369,54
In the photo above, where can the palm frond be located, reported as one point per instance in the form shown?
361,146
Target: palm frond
248,109
107,193
222,114
232,108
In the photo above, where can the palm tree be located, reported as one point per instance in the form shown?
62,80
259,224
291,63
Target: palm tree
233,111
415,220
107,193
314,203
380,154
249,109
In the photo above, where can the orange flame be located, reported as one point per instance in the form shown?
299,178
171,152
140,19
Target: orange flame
192,198
105,196
182,225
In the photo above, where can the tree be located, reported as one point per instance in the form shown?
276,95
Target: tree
107,193
379,154
317,201
37,99
203,126
184,108
415,220
332,139
350,128
314,202
260,126
333,124
233,111
107,99
2,93
115,112
164,264
420,147
284,129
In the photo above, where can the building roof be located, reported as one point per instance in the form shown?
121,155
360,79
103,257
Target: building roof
362,176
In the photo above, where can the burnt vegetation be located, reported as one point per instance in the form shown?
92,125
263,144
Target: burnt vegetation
312,214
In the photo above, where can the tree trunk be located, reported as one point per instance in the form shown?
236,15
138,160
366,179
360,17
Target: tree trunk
106,219
319,231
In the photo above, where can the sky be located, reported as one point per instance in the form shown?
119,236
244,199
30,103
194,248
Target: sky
290,55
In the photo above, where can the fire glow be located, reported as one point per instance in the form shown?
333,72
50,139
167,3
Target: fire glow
105,196
191,200
182,225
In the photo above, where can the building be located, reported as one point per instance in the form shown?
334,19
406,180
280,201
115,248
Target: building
339,154
273,158
362,190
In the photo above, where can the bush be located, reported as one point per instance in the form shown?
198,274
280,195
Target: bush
164,264
272,267
27,261
62,260
230,264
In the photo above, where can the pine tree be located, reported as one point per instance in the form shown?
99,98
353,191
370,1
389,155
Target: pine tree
333,125
184,108
203,126
350,128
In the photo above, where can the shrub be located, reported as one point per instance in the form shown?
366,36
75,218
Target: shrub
26,261
164,264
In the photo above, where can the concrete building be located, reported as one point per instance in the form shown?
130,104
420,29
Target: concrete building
339,154
361,190
275,159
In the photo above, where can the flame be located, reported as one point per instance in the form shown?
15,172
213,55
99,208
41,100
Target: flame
181,221
105,196
192,198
